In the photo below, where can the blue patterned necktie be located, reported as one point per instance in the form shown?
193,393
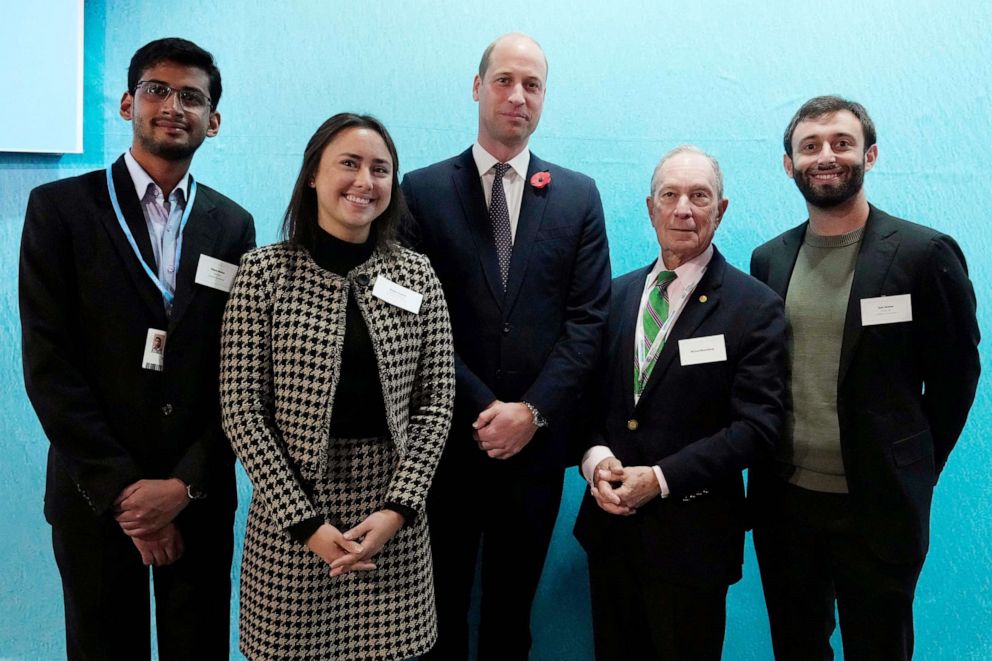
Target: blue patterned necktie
499,216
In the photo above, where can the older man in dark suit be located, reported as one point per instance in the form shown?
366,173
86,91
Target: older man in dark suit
124,275
884,357
693,376
520,247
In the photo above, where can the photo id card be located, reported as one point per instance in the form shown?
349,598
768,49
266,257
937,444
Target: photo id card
154,358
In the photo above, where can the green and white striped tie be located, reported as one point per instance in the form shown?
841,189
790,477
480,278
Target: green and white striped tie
652,321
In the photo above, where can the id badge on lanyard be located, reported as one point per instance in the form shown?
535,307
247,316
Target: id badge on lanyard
166,294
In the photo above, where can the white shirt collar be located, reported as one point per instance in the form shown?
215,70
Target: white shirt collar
687,271
485,161
142,179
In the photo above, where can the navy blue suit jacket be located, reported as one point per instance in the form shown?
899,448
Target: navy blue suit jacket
904,390
538,342
701,424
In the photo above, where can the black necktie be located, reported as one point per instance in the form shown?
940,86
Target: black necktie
499,216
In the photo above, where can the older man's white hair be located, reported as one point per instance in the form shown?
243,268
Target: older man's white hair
688,149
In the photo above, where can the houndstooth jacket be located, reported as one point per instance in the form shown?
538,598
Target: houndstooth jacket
281,358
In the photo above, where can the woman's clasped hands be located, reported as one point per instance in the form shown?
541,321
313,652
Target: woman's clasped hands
354,549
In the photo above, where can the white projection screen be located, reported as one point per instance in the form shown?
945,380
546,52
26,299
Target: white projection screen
41,76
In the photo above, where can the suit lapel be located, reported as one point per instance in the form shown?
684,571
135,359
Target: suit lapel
784,260
878,246
134,217
693,314
629,318
199,238
468,185
532,206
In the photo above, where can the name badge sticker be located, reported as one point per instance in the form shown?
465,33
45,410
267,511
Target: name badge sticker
700,350
397,295
216,274
886,310
154,357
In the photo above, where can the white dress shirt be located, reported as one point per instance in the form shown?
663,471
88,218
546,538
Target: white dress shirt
513,180
162,218
687,277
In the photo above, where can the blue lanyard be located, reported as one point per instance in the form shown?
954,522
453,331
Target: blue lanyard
166,294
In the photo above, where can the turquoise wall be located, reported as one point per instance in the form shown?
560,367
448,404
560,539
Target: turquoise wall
628,80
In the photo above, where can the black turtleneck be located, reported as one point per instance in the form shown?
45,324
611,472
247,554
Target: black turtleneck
358,410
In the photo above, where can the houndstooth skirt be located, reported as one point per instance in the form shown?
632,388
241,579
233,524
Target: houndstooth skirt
292,609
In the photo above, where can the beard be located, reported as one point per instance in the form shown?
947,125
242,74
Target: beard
172,152
826,197
168,150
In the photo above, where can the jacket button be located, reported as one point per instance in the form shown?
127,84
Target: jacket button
499,374
362,279
632,424
506,329
167,409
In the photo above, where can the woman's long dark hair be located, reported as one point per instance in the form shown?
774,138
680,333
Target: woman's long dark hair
299,225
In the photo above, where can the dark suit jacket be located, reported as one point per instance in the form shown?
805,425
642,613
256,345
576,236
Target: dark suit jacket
904,390
701,424
86,307
539,341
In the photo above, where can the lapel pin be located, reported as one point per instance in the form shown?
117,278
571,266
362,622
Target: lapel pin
703,299
540,179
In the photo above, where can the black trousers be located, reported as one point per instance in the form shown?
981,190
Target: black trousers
106,595
810,554
636,615
513,518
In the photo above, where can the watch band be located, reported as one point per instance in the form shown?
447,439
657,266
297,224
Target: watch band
194,494
539,420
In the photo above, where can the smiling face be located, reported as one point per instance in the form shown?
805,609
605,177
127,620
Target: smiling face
353,183
686,207
510,95
829,159
164,129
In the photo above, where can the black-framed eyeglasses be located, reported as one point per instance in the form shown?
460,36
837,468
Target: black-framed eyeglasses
189,98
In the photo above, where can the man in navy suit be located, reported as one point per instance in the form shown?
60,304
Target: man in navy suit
124,275
693,375
520,247
884,357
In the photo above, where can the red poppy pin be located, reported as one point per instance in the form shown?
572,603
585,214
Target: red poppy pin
540,179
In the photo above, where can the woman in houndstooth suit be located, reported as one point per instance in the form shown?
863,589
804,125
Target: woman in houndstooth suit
337,383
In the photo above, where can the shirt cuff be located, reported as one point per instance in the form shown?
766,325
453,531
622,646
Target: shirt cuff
591,459
662,482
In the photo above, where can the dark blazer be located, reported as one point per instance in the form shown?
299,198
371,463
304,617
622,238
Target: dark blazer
86,307
701,424
904,390
538,342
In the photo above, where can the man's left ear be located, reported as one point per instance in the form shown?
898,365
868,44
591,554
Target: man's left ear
870,157
213,124
721,209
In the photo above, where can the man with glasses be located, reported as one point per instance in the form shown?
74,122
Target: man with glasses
134,263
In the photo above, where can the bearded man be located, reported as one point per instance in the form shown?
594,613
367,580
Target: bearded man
883,349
